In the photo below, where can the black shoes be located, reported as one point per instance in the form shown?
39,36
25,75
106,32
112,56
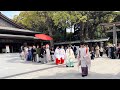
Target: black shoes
69,66
39,61
84,75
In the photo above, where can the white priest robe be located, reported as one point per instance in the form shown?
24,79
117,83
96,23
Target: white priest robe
84,57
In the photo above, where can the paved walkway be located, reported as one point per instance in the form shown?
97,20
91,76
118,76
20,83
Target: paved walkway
11,67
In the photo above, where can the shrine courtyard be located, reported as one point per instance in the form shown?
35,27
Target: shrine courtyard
12,67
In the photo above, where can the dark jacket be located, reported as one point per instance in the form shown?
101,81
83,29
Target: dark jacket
38,51
42,52
33,51
52,52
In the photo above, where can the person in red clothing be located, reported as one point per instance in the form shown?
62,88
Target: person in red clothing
62,55
57,55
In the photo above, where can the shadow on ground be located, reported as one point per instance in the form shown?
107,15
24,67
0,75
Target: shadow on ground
73,74
18,60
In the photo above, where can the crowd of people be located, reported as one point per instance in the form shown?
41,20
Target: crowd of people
112,51
67,55
59,55
36,54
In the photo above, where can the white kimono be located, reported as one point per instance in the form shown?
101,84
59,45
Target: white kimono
62,53
70,55
48,57
25,52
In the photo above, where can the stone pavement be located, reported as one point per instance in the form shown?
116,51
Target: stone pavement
12,67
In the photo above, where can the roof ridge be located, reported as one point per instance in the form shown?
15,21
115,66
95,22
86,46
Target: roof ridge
11,21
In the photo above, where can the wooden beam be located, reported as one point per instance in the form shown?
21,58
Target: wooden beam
73,42
112,30
110,24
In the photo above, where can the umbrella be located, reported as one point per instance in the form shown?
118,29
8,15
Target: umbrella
43,37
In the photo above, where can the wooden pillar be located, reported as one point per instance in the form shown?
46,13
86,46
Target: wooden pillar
12,48
114,35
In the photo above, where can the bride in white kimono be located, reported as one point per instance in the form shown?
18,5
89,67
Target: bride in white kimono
70,57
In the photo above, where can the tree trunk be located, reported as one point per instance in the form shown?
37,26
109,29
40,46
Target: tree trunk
50,33
48,22
65,34
87,31
82,32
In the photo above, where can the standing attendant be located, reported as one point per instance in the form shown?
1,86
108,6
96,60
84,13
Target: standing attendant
106,50
101,51
52,51
62,55
57,55
113,51
29,54
75,49
34,54
43,55
97,51
38,53
92,53
22,54
84,59
109,51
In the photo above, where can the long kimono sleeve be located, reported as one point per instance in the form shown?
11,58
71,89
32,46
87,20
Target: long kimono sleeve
78,55
72,55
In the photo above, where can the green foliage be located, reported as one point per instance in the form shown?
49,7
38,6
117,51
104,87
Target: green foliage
50,22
